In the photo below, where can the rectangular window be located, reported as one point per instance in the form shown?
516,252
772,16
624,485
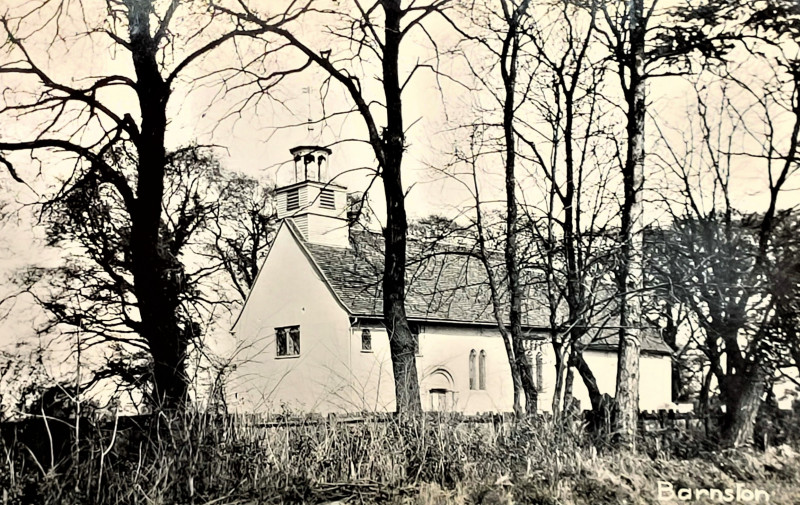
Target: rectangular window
366,340
280,340
415,336
326,199
287,340
293,199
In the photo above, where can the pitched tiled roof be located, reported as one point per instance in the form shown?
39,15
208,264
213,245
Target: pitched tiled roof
608,340
440,286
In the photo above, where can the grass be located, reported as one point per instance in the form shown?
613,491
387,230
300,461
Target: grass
199,459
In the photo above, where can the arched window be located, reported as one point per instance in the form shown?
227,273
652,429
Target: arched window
539,367
473,384
482,370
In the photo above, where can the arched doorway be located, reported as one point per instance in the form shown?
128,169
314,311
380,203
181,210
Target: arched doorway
441,393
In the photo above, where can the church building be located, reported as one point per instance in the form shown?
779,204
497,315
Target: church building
310,336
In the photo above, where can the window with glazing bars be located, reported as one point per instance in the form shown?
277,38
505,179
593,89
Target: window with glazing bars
366,340
287,339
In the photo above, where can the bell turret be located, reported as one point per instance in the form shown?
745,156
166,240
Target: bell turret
310,163
317,206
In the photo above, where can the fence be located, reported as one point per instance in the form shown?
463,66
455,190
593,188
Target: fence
52,438
654,420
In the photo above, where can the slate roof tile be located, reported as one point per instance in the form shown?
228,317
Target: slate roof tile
440,287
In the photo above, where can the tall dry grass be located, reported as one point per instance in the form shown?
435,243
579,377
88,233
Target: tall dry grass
194,458
197,458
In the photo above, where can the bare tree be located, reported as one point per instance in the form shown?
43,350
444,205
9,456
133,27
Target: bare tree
90,297
627,33
564,142
500,35
242,230
757,120
80,117
485,236
730,267
786,290
554,112
359,32
514,15
644,41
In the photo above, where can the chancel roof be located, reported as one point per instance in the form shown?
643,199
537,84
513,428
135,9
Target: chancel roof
449,286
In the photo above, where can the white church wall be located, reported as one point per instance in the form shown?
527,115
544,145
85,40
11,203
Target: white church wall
449,348
442,363
654,380
372,379
289,292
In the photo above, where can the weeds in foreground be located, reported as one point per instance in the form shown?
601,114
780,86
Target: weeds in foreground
196,458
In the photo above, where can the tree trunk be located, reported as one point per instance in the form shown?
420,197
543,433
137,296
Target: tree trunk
528,382
558,389
401,340
742,398
630,270
670,335
705,389
569,395
508,342
517,385
157,299
508,68
589,380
